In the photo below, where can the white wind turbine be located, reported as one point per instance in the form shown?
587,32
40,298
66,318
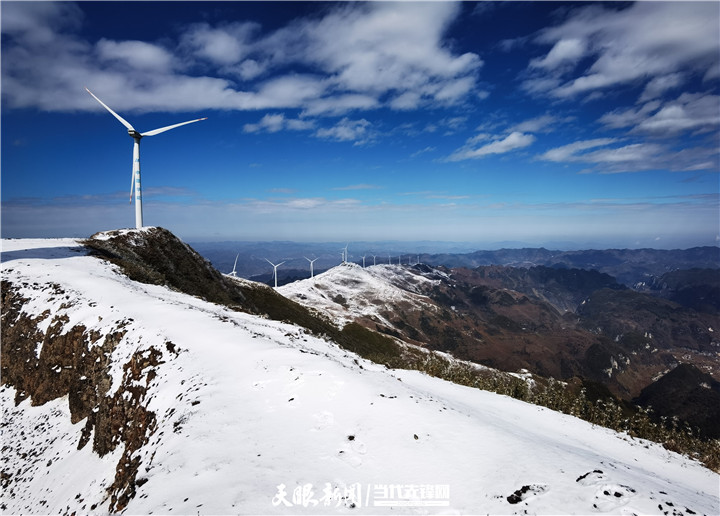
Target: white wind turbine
345,256
274,269
233,273
374,259
135,179
312,275
364,261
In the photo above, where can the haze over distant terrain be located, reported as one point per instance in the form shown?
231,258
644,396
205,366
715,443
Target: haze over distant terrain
585,124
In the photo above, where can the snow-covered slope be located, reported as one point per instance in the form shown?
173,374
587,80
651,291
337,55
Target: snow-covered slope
258,417
349,292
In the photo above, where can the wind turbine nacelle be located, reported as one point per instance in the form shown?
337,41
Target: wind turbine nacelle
134,134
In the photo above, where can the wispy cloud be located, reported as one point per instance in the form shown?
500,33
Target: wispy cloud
609,157
359,187
346,129
502,145
541,124
687,113
422,151
624,46
273,123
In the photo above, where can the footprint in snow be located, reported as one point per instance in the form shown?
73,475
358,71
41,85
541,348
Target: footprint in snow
352,455
610,497
592,478
527,492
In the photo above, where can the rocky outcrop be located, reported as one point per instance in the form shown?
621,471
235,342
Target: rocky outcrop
75,361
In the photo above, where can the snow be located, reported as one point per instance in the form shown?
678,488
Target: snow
363,292
254,415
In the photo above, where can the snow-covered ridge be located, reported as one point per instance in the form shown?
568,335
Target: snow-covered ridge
349,292
258,417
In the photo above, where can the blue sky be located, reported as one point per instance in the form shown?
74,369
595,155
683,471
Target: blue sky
543,123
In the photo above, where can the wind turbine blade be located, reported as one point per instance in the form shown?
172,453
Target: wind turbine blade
121,119
163,129
279,264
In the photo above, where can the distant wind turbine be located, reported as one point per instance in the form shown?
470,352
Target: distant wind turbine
135,179
374,259
274,269
233,273
364,261
312,275
345,255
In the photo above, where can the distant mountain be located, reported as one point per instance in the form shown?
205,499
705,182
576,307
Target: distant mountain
695,288
628,266
635,268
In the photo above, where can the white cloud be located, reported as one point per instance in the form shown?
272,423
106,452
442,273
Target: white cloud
347,130
543,123
632,157
643,42
220,45
565,51
363,186
659,85
383,46
273,123
352,56
339,104
689,112
135,54
571,151
515,140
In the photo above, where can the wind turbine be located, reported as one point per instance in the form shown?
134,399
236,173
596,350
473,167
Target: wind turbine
135,178
345,253
364,261
274,269
312,275
233,273
374,259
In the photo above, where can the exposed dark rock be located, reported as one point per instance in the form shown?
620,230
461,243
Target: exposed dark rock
689,394
75,362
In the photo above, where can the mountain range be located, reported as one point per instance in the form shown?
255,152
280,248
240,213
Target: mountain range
138,379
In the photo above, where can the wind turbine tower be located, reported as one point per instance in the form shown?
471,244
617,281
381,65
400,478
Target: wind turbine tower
312,275
233,273
374,259
136,136
274,269
364,261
